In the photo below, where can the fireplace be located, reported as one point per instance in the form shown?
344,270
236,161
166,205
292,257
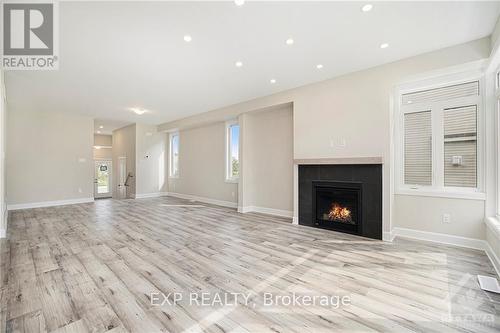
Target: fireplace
341,197
337,206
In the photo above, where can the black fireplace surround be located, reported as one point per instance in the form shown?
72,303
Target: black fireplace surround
345,198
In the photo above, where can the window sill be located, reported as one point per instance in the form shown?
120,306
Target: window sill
442,194
173,177
232,180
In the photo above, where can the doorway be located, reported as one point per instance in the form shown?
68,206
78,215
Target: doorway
102,181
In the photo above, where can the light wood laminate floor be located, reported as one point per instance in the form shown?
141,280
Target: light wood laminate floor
100,267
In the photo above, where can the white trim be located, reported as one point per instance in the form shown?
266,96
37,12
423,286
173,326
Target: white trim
151,195
423,192
203,199
49,203
472,243
388,236
495,261
3,233
265,210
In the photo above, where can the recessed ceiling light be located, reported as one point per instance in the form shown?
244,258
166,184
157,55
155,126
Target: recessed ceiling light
138,111
319,66
101,127
187,38
289,41
98,132
384,45
238,64
273,81
239,2
367,7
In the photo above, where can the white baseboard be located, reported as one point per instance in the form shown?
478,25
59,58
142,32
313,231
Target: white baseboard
49,203
151,195
472,243
388,236
265,210
295,220
203,199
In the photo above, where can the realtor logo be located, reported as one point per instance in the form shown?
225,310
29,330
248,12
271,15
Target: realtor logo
29,35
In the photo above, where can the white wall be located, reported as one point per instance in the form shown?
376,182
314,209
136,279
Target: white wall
267,146
151,159
356,107
3,136
124,145
49,157
202,164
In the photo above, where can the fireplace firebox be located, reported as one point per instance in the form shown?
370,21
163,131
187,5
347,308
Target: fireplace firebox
341,197
337,206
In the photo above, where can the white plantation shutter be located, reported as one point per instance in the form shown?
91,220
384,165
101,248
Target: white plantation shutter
418,148
460,139
441,94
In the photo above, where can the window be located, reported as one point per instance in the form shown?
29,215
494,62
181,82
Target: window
232,151
174,155
439,138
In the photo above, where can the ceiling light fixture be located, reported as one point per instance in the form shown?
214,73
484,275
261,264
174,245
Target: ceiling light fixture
138,111
290,41
319,66
238,64
384,45
187,38
239,2
101,127
273,81
367,7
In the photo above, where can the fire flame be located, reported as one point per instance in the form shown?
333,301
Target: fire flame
338,212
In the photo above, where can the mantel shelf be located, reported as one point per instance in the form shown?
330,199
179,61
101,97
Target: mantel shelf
340,160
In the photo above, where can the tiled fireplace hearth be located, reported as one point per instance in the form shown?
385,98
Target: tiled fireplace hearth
341,197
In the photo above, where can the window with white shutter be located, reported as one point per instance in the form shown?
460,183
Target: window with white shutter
440,138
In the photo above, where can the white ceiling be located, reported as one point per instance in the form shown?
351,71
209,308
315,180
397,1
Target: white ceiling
118,55
108,125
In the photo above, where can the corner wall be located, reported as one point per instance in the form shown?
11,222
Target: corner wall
151,161
267,159
124,145
202,163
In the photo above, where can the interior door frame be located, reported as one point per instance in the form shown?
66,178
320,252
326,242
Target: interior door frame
110,173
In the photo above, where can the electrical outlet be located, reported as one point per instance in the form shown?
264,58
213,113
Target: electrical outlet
446,218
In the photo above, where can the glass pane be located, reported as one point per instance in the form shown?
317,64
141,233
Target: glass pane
460,146
234,135
418,148
175,155
102,179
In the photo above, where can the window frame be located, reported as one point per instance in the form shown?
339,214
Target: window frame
229,178
171,173
437,189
